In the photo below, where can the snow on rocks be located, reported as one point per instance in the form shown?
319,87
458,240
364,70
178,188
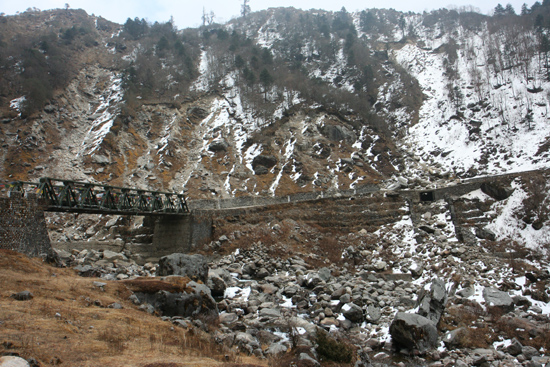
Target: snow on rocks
267,304
105,115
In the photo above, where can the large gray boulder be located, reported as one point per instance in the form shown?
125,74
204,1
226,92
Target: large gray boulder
497,190
495,298
175,296
413,331
263,161
433,303
193,266
338,133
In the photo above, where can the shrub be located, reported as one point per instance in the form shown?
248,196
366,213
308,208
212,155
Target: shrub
332,349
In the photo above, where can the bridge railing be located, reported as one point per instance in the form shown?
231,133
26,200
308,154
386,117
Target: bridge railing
85,197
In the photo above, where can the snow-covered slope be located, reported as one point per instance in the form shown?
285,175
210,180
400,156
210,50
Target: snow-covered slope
478,117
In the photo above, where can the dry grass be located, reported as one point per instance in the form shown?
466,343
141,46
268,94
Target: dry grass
63,323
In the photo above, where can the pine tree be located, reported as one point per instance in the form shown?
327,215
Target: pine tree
499,10
245,8
266,79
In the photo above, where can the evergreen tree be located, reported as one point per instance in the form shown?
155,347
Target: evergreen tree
525,9
499,10
509,10
267,80
245,8
239,62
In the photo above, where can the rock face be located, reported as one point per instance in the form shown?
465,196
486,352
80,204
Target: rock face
192,266
413,332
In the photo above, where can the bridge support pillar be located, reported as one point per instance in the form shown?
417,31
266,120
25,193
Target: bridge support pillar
23,226
180,233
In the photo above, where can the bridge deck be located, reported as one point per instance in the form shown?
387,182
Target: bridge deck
85,197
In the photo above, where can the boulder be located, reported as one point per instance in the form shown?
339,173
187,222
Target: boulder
338,133
413,331
192,266
373,314
485,234
497,190
216,284
308,359
22,296
529,352
112,256
13,361
175,296
380,265
228,318
452,338
514,348
270,312
432,304
275,349
352,312
266,161
219,145
416,269
324,274
495,298
246,342
100,159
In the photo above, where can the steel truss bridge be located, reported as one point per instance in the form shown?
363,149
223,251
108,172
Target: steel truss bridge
85,197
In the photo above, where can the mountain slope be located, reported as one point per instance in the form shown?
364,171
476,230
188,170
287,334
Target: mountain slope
281,101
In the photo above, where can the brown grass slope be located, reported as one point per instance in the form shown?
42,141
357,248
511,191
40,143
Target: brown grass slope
68,323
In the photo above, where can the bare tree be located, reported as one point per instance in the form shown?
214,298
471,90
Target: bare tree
207,18
245,8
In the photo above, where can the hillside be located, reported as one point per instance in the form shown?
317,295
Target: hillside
443,116
79,321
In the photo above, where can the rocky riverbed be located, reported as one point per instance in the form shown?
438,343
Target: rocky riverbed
266,306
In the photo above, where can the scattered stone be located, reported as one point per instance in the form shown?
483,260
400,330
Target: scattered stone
353,312
413,331
308,358
380,265
228,318
529,352
373,314
514,348
13,361
276,349
111,256
22,296
453,337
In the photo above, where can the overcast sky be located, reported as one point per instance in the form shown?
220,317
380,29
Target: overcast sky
188,13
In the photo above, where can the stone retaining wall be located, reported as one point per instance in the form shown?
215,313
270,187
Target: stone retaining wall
23,226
